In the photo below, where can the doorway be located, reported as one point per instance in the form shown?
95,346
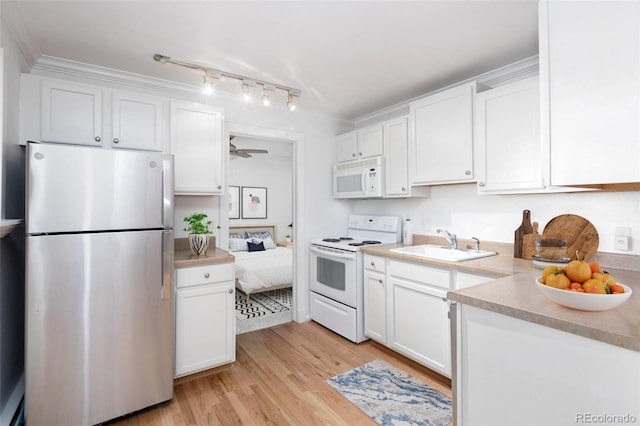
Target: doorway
297,232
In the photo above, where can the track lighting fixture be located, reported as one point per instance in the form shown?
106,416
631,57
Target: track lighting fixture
212,75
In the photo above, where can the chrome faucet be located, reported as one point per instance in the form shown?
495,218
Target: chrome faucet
453,241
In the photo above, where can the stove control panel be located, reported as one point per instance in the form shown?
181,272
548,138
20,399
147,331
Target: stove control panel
375,223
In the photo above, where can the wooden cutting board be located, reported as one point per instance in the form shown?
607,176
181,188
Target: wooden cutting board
580,234
529,243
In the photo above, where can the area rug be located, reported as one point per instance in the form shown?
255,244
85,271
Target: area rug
263,310
392,397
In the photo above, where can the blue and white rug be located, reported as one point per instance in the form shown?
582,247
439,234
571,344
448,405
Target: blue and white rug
392,397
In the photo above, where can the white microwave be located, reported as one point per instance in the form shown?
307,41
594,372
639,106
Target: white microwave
359,179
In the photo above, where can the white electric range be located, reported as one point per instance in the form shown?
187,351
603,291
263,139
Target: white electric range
336,275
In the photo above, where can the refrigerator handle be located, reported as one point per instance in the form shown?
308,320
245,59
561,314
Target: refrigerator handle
167,191
167,264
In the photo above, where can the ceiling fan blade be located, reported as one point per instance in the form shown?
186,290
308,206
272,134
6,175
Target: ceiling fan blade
254,151
239,153
232,148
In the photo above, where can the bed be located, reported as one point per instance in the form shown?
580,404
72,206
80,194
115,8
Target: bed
266,267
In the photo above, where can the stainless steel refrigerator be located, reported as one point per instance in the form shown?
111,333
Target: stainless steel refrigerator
99,283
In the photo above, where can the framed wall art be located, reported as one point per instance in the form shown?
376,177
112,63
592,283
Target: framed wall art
234,202
254,202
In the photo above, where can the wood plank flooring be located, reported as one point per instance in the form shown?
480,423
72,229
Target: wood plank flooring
278,379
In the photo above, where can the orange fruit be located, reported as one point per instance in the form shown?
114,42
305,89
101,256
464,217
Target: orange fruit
598,276
576,286
594,286
578,271
616,289
595,267
558,280
551,269
608,279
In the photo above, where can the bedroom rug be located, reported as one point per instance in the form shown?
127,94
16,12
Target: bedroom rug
392,397
263,310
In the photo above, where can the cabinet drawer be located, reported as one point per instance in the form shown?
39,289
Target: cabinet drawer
420,273
186,277
375,263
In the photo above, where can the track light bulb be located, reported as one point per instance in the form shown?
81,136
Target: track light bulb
246,92
290,102
208,85
265,98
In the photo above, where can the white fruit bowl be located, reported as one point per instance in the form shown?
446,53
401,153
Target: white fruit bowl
585,301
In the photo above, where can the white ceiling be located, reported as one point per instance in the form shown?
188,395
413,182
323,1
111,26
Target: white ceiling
349,58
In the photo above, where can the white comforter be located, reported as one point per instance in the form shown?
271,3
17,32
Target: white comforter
262,270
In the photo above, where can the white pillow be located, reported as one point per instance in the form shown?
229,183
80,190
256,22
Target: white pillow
267,242
238,244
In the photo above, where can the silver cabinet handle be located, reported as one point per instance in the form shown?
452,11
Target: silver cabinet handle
468,172
206,275
353,155
219,186
404,188
380,281
97,138
481,184
230,291
373,264
360,153
116,140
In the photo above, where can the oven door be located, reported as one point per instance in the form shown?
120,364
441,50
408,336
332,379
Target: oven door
334,274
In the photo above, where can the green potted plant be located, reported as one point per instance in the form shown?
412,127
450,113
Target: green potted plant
287,239
199,230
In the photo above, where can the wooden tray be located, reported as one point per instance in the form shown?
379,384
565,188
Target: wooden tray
580,234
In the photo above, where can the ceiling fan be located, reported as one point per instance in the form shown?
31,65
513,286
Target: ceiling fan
244,153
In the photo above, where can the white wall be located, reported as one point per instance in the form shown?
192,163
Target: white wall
459,209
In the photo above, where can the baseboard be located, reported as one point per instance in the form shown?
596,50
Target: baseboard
13,403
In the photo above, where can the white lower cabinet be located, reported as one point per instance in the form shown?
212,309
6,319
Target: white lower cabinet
515,372
418,323
205,321
375,299
406,308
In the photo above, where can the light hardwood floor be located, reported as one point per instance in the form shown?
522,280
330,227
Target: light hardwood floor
278,379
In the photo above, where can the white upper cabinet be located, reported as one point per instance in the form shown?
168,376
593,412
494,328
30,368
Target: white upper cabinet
590,77
196,143
507,142
395,135
136,122
396,163
441,137
71,113
362,143
347,146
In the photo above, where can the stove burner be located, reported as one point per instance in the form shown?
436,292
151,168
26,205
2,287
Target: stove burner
371,242
346,238
356,244
331,240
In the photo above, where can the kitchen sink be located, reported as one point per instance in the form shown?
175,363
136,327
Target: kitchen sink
430,251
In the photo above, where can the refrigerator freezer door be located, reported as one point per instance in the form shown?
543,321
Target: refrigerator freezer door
99,331
76,189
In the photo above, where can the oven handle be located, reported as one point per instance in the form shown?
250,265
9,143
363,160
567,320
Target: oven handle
331,253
